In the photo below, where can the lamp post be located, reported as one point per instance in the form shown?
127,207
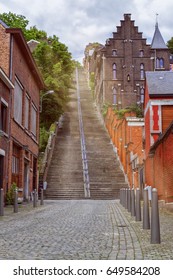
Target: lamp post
41,99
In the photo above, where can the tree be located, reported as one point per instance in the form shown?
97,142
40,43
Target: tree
55,64
170,45
19,21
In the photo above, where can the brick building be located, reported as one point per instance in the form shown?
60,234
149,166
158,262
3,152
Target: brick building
127,135
158,132
5,92
121,64
23,135
161,161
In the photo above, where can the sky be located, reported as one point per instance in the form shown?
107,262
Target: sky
79,22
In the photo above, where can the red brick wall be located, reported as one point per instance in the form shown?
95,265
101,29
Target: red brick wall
5,94
168,168
126,139
23,70
159,169
21,136
4,50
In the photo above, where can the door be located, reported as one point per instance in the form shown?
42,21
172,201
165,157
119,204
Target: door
1,171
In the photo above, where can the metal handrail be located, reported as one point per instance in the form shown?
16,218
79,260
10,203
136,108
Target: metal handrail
83,145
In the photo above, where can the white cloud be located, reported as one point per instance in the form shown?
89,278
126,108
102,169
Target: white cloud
78,22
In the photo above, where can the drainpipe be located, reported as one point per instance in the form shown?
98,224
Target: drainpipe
9,109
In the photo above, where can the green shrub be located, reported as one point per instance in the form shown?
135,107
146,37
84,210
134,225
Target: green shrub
10,194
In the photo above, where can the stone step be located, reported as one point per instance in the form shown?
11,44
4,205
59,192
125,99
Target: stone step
65,176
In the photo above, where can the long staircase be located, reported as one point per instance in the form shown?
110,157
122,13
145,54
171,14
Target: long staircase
66,173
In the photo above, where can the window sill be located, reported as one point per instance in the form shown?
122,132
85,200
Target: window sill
2,134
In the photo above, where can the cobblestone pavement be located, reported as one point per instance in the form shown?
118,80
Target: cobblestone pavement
81,229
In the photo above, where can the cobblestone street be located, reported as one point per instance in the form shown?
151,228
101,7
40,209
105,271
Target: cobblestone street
81,229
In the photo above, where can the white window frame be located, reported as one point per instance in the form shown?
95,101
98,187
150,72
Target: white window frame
27,109
34,120
18,102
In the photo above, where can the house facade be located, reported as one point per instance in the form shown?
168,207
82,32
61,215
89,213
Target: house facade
18,65
121,64
158,116
5,97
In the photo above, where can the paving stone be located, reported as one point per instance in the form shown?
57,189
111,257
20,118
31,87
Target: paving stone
81,229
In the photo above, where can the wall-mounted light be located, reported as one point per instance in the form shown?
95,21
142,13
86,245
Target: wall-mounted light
41,100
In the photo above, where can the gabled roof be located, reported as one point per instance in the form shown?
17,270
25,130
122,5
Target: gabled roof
3,24
158,42
5,79
160,83
18,34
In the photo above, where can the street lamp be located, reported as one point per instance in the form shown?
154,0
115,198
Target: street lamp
41,99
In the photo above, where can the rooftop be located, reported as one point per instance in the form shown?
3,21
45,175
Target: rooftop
160,83
158,42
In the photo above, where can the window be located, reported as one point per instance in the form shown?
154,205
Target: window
142,95
1,171
4,117
114,68
157,63
18,95
27,112
161,64
34,120
141,53
114,96
142,72
15,164
114,52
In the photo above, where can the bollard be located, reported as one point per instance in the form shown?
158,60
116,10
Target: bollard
35,198
15,201
146,215
133,208
42,197
155,223
138,205
129,200
126,197
123,197
1,202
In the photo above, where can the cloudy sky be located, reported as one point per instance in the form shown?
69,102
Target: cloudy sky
78,22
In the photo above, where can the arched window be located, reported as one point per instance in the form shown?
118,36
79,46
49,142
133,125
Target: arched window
114,69
141,53
142,95
114,96
114,52
161,64
142,72
157,62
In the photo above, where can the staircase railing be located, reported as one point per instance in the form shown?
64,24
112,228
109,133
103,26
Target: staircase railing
46,159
